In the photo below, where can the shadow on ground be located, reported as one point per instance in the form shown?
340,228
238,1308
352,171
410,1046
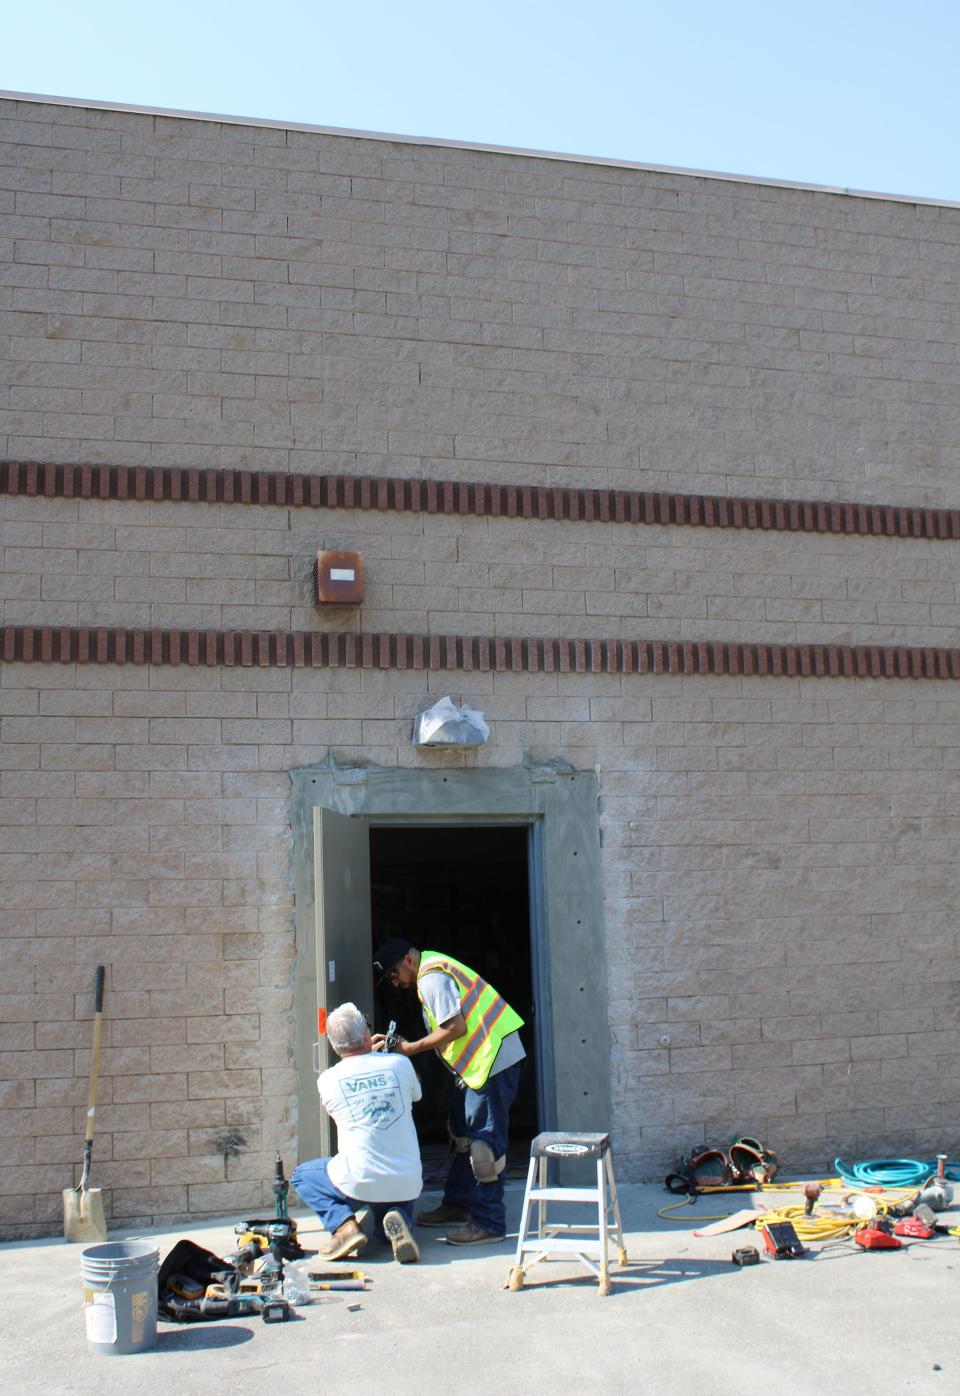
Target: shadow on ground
200,1336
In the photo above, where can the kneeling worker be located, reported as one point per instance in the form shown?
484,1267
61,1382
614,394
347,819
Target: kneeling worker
475,1032
369,1096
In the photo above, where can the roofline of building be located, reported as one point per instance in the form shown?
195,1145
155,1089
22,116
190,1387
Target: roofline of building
443,143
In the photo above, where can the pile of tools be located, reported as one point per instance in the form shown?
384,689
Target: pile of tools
195,1284
875,1205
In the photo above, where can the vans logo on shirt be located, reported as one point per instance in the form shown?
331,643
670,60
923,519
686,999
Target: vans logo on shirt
374,1100
367,1083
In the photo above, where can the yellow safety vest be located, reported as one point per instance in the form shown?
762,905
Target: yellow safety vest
489,1018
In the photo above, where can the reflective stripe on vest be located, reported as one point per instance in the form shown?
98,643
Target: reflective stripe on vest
488,1016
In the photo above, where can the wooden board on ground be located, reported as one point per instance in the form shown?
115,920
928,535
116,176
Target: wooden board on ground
746,1217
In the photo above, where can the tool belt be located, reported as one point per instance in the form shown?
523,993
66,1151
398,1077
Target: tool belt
744,1163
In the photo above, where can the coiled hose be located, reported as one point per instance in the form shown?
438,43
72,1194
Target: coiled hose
891,1172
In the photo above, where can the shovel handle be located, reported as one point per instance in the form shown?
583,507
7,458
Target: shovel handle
95,1054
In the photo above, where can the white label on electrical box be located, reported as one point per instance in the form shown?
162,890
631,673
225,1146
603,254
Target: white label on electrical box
342,574
331,970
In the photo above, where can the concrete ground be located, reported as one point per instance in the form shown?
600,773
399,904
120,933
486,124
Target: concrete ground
681,1321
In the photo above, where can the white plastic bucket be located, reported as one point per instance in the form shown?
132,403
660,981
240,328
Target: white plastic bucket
120,1296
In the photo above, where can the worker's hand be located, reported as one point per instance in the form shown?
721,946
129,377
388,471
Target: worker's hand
400,1044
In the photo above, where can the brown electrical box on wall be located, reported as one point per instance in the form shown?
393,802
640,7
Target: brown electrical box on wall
338,579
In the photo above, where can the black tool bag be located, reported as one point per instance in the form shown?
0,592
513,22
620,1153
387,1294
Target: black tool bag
204,1268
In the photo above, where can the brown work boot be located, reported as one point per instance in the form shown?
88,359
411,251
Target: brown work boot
405,1248
443,1215
471,1235
347,1239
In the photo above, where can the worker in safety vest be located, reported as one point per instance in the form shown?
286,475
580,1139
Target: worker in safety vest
475,1032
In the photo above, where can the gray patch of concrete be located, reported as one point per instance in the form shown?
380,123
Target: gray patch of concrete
681,1319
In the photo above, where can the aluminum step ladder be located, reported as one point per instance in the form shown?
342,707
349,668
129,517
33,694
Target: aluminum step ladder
543,1239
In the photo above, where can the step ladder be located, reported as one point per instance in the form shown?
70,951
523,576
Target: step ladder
590,1242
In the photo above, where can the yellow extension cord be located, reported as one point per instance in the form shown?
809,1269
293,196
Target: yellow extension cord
822,1227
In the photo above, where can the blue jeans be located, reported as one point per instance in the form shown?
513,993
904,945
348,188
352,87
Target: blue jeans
482,1114
333,1207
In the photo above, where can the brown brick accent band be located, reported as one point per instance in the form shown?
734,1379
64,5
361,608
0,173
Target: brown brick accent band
30,644
154,484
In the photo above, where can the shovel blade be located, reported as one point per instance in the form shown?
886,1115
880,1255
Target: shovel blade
83,1216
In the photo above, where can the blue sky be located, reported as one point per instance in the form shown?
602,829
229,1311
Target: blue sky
853,94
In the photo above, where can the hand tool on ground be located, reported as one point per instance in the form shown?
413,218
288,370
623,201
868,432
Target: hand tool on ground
336,1279
812,1193
83,1215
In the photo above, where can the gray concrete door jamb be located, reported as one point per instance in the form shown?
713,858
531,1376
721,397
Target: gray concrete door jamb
560,806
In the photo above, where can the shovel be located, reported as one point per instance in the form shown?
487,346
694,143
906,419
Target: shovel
83,1218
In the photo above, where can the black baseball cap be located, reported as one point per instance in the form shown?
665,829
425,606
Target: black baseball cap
388,956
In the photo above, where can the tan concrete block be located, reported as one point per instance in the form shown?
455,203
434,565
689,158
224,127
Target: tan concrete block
208,1113
18,1037
223,1084
197,1057
149,1144
147,1087
827,1049
220,1198
147,1032
176,1170
198,1002
281,1081
269,1055
236,1028
18,1150
149,1201
879,1046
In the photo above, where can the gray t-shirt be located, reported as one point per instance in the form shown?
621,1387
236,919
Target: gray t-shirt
439,991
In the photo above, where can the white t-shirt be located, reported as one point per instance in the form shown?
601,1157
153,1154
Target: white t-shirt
439,991
370,1098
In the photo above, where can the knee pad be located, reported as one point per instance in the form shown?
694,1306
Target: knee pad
486,1168
459,1143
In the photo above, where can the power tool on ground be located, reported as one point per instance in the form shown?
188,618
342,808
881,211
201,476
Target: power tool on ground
782,1242
877,1236
915,1227
280,1188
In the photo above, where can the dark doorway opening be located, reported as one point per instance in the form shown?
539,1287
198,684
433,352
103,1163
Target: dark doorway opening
463,889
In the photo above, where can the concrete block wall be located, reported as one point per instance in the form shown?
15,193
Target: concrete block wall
779,853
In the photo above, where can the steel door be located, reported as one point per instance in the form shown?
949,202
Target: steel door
341,845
